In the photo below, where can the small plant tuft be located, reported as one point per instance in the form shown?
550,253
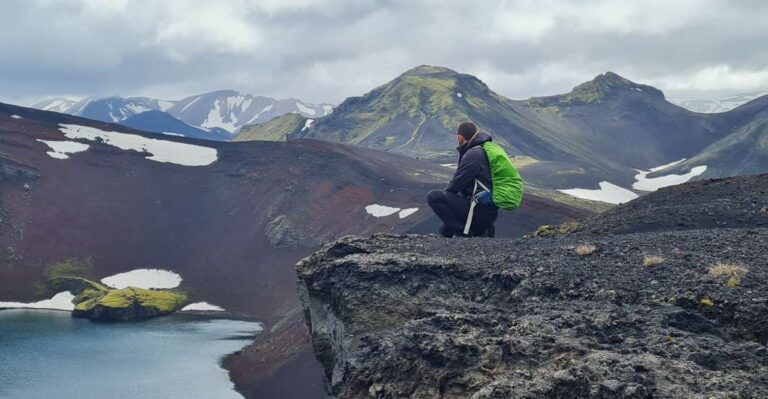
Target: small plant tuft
707,302
652,260
733,271
585,250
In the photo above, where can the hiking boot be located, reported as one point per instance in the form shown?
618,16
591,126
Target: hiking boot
490,232
445,231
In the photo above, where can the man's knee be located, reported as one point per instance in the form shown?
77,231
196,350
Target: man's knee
435,196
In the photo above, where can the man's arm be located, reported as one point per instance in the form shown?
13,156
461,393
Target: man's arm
467,170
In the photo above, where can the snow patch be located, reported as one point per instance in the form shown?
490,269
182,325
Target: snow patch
246,104
265,109
327,109
643,182
214,117
61,149
173,134
669,165
450,165
407,212
60,301
608,192
58,105
15,116
144,278
136,108
304,109
307,124
258,114
160,150
378,211
614,194
202,306
458,95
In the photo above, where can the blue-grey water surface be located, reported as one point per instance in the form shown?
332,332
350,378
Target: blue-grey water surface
48,354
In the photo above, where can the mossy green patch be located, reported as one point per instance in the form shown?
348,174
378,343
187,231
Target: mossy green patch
162,300
276,129
104,303
63,275
559,230
595,91
73,267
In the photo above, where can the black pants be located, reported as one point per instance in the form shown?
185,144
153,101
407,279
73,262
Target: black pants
453,210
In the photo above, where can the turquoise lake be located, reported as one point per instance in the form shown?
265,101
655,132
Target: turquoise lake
48,354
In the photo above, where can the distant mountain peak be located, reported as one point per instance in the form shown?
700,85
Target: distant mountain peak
223,92
596,91
723,104
427,70
613,78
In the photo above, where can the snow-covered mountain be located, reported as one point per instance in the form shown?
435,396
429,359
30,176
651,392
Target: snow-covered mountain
58,104
230,110
718,105
224,109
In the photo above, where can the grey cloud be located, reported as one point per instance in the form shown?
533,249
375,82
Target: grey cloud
324,51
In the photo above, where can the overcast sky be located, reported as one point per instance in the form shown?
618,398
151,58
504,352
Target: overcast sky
327,50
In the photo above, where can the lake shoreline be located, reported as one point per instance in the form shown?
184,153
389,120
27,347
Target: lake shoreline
238,336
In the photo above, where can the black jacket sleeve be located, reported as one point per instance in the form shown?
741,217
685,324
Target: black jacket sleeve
469,167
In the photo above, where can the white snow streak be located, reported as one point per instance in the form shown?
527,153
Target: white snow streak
61,149
378,211
202,306
304,109
407,212
643,182
614,194
137,108
189,104
15,116
307,124
216,119
60,301
608,192
160,150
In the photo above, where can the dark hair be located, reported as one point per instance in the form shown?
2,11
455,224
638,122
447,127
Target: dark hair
466,130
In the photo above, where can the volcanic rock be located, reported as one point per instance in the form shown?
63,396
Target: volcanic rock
426,317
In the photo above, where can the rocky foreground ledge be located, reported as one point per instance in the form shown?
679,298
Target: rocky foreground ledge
588,314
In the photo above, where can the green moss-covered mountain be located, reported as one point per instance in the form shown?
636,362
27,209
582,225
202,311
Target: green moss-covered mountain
276,129
603,129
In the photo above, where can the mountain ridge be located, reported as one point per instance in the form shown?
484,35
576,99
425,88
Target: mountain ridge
601,132
223,109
